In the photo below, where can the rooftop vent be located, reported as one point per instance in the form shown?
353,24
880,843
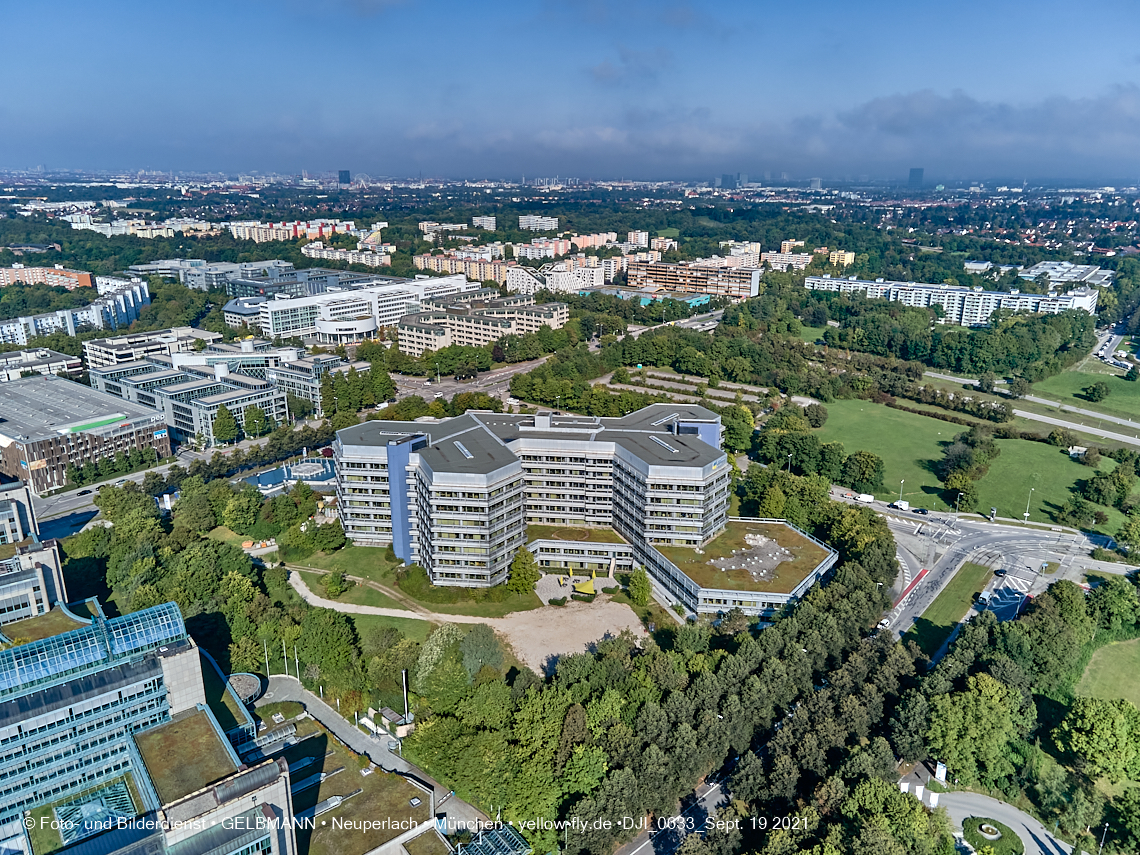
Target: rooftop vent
463,450
665,445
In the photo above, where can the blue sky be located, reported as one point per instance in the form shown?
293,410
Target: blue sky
593,88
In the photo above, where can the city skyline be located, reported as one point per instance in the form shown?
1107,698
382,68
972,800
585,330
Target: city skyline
596,89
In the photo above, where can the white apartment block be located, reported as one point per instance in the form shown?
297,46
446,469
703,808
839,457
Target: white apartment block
317,249
341,317
543,248
535,223
784,260
487,223
638,238
968,307
476,320
840,258
662,244
524,280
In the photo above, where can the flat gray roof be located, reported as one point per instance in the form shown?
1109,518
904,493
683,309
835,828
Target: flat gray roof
41,407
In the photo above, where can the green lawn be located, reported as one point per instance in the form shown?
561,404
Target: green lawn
367,562
359,594
669,233
1123,399
183,756
1111,673
908,444
411,628
1048,470
812,334
572,533
228,536
949,607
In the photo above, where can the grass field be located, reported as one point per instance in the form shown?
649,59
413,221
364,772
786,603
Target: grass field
1047,470
669,233
909,445
358,594
932,629
1111,673
812,334
411,628
1123,399
226,535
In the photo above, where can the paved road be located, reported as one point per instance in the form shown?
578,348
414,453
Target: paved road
692,818
496,383
1129,439
282,688
1037,840
694,321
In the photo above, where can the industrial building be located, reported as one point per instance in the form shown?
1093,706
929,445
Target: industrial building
456,496
968,307
474,319
48,422
106,730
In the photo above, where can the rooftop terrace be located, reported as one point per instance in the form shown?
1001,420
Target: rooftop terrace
580,534
184,755
54,622
750,556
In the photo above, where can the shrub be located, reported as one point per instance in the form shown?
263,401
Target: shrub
558,601
613,589
1008,844
583,598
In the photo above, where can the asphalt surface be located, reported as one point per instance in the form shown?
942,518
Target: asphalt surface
1037,840
674,830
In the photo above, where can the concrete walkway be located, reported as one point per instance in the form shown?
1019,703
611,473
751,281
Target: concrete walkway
351,608
282,688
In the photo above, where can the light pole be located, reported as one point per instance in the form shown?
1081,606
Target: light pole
957,499
437,374
901,482
1027,501
1103,834
789,464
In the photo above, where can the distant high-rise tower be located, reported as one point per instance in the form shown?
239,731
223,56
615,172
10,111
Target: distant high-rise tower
817,184
915,180
728,181
344,178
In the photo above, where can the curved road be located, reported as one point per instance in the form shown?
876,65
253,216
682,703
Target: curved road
1037,840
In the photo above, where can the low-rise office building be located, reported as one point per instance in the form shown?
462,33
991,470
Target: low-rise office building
476,319
101,352
968,307
1065,273
242,312
119,305
188,396
19,363
274,282
208,276
302,377
537,223
735,282
48,422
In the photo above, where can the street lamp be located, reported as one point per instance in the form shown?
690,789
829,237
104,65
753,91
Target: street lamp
901,482
437,374
789,464
1027,501
957,499
1102,836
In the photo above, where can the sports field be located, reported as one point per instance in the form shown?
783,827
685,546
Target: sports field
1111,673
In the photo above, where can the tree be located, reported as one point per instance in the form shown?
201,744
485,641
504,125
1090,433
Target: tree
242,510
328,396
225,425
382,385
1133,374
1098,391
639,587
1018,387
524,572
863,471
299,408
816,415
256,422
1105,735
986,382
480,648
195,512
246,655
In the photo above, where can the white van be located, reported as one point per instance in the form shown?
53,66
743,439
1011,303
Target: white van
866,498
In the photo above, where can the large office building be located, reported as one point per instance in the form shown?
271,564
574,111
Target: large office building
475,319
57,275
187,394
279,282
968,307
207,276
735,282
31,573
18,363
102,352
456,496
301,377
48,422
106,733
352,315
119,305
558,277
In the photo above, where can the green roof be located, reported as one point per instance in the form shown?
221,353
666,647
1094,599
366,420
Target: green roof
576,533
